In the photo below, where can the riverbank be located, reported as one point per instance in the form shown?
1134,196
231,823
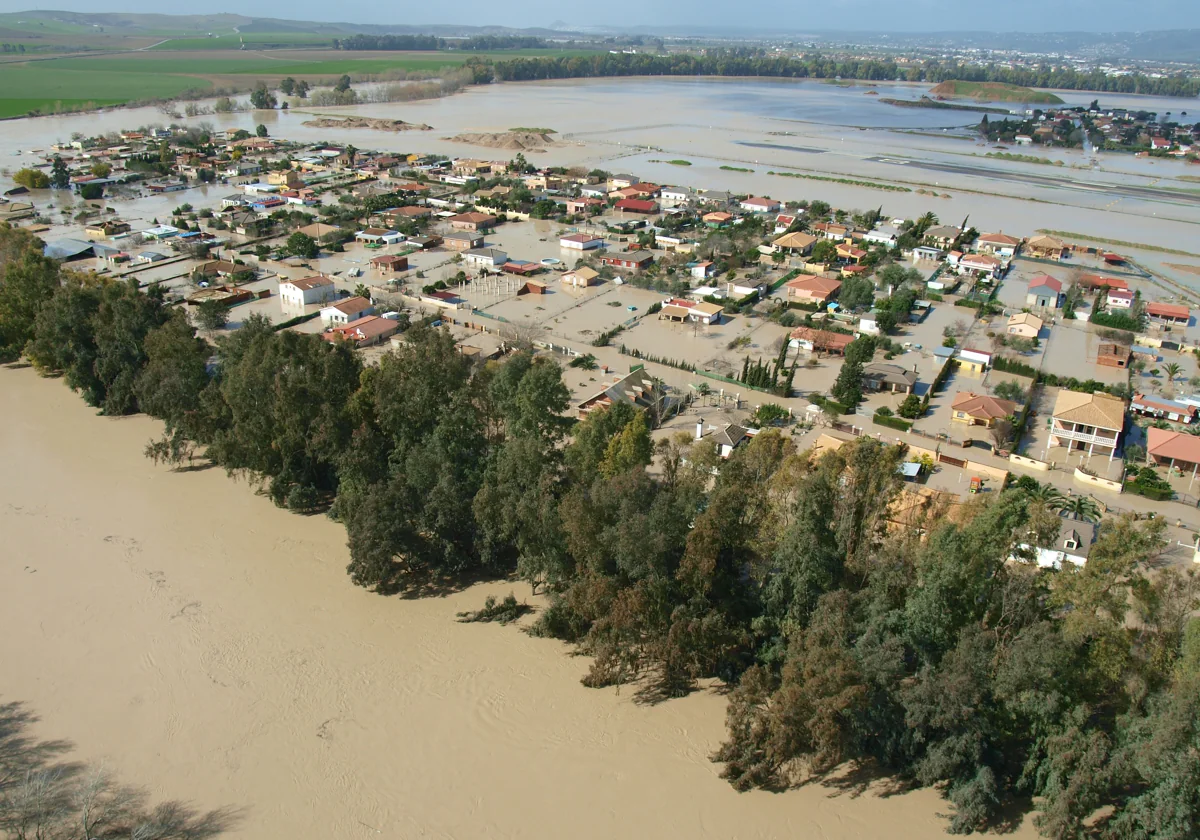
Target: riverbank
191,633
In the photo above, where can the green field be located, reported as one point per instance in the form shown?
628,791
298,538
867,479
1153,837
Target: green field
233,41
40,85
995,92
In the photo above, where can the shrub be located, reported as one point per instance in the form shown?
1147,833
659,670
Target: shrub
910,409
891,422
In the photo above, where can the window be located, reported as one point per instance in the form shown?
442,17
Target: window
1072,544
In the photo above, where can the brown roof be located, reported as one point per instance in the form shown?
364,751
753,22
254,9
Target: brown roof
822,338
1167,310
388,259
797,239
307,283
981,405
999,239
1168,443
474,218
408,211
351,306
815,286
1101,410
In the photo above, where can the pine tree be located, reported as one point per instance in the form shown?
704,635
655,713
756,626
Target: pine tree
60,177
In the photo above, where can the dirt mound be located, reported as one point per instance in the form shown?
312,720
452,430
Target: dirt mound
515,141
366,122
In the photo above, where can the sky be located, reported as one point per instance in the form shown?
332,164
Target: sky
780,15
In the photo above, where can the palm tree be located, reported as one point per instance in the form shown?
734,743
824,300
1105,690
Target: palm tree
1082,508
1172,370
1048,495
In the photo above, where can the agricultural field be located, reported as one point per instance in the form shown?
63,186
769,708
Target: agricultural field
50,84
994,92
252,40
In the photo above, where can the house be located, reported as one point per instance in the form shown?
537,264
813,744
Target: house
637,388
674,196
1119,299
718,198
309,290
636,205
997,244
629,260
396,216
820,341
981,409
218,268
462,240
927,253
973,361
390,263
796,242
1169,313
365,331
850,254
1024,325
474,222
881,376
583,204
1024,140
783,221
682,311
676,243
717,218
943,235
1045,248
726,438
320,231
105,229
642,190
1161,409
983,266
1173,449
811,289
379,236
580,242
524,268
1113,355
581,277
831,230
760,205
618,182
702,270
1094,282
485,257
424,243
160,232
597,192
147,257
288,178
1072,544
1087,421
345,311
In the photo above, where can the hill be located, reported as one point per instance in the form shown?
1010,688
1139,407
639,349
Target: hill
994,92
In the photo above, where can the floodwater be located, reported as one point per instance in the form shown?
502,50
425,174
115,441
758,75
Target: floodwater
210,647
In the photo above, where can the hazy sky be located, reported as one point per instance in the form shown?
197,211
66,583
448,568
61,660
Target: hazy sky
782,15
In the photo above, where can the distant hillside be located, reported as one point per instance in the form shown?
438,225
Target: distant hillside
994,92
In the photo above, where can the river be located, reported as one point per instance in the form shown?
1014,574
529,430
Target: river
210,647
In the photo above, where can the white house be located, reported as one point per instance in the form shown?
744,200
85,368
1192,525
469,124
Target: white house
882,236
703,270
1119,299
300,293
674,196
485,257
344,311
580,242
756,204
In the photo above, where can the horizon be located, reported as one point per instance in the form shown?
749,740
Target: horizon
842,16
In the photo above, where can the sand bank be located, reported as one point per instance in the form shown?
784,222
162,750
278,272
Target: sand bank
211,647
516,141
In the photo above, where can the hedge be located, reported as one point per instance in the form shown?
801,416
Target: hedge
828,403
299,319
892,422
1158,494
1116,320
1008,365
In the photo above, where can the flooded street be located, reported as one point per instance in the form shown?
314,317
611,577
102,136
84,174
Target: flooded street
211,648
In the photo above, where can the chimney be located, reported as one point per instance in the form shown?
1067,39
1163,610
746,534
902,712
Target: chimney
699,429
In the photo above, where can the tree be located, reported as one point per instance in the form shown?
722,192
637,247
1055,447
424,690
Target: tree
60,176
33,179
302,245
302,89
287,86
1079,507
770,414
212,315
101,169
91,192
343,84
630,448
824,252
1010,390
857,293
261,99
911,408
260,130
28,281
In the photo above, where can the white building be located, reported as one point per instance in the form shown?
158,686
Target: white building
344,311
309,290
485,257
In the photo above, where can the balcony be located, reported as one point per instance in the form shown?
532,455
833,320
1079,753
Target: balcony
1102,437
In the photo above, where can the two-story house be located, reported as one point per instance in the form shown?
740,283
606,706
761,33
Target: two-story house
1092,422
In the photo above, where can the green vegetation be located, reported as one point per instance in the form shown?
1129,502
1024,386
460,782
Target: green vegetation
254,40
736,169
926,102
45,87
850,181
526,130
1024,158
996,92
676,162
1066,234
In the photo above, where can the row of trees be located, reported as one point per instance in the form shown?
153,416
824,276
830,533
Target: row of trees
431,42
718,63
845,636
